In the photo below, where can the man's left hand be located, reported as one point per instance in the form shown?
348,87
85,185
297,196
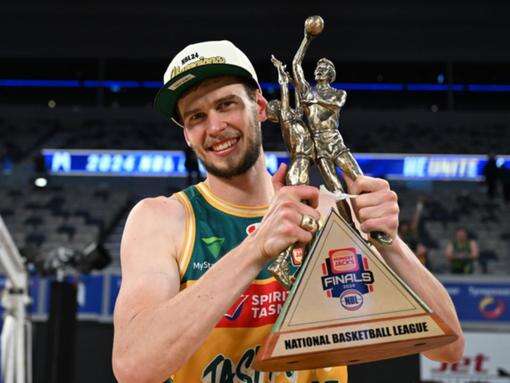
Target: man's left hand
376,206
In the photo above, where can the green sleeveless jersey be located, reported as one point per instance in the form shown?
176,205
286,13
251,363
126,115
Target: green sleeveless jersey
214,227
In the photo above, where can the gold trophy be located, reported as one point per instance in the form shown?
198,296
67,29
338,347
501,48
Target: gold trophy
346,305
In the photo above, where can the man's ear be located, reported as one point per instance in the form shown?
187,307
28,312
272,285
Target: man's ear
186,138
261,106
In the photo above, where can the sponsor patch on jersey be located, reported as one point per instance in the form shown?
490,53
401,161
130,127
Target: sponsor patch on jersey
346,276
259,305
250,229
213,244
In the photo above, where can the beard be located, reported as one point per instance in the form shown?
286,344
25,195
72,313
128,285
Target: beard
239,167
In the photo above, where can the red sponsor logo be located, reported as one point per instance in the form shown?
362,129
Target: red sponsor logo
250,229
491,308
297,256
259,305
343,260
473,365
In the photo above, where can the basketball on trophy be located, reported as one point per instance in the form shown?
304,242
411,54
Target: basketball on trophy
314,25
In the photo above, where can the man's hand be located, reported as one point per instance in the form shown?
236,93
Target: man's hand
280,227
376,206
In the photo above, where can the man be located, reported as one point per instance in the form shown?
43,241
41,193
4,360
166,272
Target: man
462,252
196,299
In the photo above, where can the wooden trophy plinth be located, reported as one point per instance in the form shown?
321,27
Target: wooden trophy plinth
347,307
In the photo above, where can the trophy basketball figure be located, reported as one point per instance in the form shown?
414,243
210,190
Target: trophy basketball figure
321,107
299,142
346,305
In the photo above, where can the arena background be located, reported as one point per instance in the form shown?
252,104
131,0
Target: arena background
428,99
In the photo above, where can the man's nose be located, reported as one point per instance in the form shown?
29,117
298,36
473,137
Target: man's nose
216,123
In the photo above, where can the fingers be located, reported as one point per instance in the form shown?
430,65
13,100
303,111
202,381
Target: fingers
364,184
299,208
281,226
376,198
278,178
386,224
291,226
376,205
378,211
301,193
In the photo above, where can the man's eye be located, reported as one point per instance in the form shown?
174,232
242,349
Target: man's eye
225,104
196,116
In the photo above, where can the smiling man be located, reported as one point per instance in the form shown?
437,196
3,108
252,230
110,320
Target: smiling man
196,299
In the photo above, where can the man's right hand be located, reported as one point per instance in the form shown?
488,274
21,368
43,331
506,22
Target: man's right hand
280,227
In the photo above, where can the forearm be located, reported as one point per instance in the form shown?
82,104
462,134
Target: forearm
159,340
332,106
297,70
284,99
402,260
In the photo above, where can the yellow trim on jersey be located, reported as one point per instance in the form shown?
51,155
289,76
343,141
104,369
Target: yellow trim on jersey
189,233
243,211
189,282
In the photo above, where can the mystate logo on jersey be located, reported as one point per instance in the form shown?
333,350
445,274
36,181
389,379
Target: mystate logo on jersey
346,275
259,305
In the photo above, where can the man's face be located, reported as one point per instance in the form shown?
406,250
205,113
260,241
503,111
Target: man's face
461,235
222,125
323,72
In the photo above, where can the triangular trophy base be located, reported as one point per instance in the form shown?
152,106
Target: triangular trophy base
348,306
391,344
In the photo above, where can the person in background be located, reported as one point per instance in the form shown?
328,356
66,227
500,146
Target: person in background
505,181
491,173
462,252
408,231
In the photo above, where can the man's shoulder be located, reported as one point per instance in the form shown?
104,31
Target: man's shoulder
339,92
161,216
158,207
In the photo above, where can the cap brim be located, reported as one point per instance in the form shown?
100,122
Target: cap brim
166,99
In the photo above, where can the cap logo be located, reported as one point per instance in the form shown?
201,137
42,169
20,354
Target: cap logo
181,81
189,57
201,61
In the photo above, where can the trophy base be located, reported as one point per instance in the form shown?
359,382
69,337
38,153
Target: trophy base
347,306
346,353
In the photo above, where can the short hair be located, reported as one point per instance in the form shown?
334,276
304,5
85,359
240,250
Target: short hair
250,88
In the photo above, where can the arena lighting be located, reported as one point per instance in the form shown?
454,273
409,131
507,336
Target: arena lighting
171,163
266,86
16,339
41,182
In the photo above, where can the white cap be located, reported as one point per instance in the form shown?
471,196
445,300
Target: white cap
196,63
